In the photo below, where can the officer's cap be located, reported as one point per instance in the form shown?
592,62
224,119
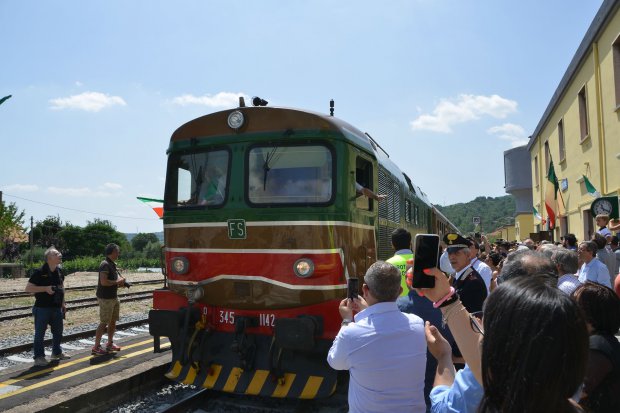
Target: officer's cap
455,242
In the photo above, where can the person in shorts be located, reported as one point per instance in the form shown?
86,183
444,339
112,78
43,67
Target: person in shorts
107,296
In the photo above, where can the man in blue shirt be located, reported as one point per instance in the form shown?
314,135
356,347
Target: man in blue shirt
383,348
592,269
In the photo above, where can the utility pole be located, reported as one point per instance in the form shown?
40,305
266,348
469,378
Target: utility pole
31,240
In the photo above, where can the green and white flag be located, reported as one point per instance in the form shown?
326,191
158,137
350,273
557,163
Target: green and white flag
590,188
536,213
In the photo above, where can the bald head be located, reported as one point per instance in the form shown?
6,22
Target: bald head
527,263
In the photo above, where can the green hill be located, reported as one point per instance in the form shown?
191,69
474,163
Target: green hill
493,213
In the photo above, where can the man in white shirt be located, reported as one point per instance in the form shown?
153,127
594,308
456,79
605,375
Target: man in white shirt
484,270
565,261
592,269
383,348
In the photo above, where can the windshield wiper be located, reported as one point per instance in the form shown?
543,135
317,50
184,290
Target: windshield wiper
266,167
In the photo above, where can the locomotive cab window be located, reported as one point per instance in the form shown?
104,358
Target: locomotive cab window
198,179
363,178
300,174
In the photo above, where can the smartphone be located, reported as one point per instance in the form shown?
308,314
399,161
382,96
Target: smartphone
426,255
352,287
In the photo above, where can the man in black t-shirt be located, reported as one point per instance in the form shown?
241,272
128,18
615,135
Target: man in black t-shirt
109,305
47,285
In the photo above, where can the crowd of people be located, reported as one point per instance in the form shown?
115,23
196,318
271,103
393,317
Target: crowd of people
508,327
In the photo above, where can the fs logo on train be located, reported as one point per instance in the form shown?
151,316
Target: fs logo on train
236,229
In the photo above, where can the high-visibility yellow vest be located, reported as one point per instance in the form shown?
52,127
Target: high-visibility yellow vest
400,262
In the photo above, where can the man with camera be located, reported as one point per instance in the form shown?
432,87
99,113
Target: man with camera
107,296
47,285
383,348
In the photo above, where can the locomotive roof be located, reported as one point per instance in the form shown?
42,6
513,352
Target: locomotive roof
268,119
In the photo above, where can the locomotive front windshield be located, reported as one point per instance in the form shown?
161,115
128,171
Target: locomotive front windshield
199,179
290,174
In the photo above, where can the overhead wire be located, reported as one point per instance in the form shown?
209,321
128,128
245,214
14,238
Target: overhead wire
79,210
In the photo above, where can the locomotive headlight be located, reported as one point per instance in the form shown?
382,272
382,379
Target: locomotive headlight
303,267
235,119
179,265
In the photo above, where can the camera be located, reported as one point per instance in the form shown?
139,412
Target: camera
58,296
127,284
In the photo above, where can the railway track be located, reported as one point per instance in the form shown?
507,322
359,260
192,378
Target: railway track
26,311
18,294
6,351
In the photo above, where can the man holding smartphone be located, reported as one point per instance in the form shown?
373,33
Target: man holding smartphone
383,348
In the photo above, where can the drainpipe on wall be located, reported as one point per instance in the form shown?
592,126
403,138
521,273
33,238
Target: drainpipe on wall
599,118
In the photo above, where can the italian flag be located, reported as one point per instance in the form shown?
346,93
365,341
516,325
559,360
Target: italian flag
156,204
551,195
590,188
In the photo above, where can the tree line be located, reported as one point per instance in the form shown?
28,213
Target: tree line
71,240
493,213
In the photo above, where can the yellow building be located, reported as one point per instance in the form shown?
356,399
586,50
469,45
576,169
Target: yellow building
580,129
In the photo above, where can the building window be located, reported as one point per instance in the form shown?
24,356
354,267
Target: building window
616,62
583,113
547,157
536,175
561,140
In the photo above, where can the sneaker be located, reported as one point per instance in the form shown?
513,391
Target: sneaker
40,361
98,351
61,356
111,347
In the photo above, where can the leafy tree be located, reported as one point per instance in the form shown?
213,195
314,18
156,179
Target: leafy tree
47,232
72,237
99,233
142,239
152,250
11,230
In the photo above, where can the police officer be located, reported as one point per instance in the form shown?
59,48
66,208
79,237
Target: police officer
468,283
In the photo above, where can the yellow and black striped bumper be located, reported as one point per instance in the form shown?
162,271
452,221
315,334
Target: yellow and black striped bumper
256,382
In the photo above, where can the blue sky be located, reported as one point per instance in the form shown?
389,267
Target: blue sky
445,86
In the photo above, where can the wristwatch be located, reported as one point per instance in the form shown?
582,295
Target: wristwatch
346,321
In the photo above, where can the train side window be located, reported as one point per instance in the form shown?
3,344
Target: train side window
363,177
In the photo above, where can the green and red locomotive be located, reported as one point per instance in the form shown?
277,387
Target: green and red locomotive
263,226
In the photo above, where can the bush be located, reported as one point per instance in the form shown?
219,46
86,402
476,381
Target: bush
91,264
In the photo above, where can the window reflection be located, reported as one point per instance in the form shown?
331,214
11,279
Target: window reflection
289,174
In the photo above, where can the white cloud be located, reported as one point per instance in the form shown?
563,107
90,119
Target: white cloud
464,108
112,185
515,134
88,101
222,99
78,83
21,188
77,192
